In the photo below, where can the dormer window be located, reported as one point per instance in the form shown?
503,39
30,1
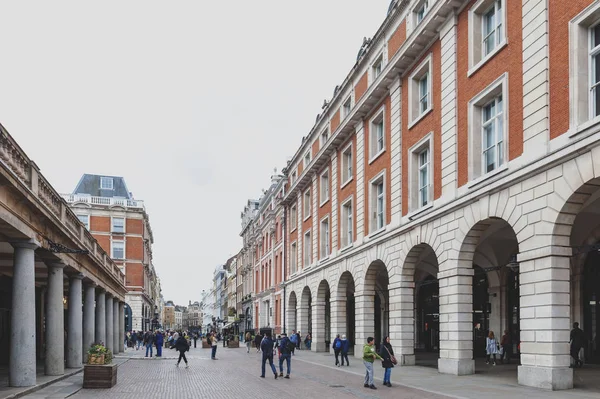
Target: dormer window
106,183
377,67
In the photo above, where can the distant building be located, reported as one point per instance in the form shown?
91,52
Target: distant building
122,227
169,315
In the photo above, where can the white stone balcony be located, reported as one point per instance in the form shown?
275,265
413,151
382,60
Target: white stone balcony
103,201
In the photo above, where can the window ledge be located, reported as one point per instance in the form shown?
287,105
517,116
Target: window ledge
584,126
347,247
323,260
413,215
295,228
323,203
418,118
377,232
488,57
487,176
306,218
344,184
374,157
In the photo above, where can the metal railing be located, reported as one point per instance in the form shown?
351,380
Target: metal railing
107,201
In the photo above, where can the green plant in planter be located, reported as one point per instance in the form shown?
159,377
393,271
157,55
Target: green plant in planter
99,354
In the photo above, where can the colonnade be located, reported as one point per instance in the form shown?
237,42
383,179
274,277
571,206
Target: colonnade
93,315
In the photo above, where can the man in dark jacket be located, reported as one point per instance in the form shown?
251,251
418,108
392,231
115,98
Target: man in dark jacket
577,342
337,347
266,346
159,340
182,346
285,347
344,350
149,341
257,341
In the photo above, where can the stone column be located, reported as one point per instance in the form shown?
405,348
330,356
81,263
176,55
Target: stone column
109,323
89,327
338,319
22,329
402,326
101,317
303,319
55,321
290,320
74,333
456,320
121,326
545,318
318,327
364,319
116,325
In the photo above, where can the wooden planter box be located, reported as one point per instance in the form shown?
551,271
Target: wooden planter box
99,375
96,359
233,344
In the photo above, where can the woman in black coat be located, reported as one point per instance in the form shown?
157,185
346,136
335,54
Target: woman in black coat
182,346
386,352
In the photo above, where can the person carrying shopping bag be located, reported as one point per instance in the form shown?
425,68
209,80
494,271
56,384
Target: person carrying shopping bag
389,360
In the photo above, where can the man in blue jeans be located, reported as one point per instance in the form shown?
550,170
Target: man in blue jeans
149,342
266,347
285,346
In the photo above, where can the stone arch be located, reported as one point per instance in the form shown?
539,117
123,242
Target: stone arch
373,304
343,315
321,319
304,312
292,312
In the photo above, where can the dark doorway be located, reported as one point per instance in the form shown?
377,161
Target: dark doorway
512,306
128,318
327,320
428,315
591,307
481,311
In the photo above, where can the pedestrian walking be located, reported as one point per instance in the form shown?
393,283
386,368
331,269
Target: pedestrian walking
159,341
389,360
248,341
195,339
285,347
491,347
369,356
266,347
337,348
134,340
214,343
294,339
182,346
344,350
308,341
298,340
506,346
257,341
577,339
149,342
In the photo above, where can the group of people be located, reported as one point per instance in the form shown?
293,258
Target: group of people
502,348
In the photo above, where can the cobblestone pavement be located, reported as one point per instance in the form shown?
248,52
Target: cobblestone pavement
236,375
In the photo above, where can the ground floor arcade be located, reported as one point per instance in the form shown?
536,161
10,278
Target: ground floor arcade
522,261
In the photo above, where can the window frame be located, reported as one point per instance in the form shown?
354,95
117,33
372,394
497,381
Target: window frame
347,107
474,127
86,224
307,244
374,203
422,6
306,213
112,249
294,177
324,137
347,225
107,179
323,200
414,188
324,239
377,67
477,56
294,217
425,68
350,167
112,224
294,257
376,119
307,159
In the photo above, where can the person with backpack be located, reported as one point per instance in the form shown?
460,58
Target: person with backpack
344,350
182,346
286,347
294,338
266,347
337,347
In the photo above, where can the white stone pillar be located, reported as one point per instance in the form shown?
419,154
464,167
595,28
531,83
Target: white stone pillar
290,320
402,327
545,318
74,333
116,325
303,319
55,321
22,366
338,319
109,322
121,327
364,319
89,327
101,317
318,327
456,320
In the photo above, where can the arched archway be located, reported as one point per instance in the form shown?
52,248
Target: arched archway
374,301
305,313
128,318
343,309
321,320
292,313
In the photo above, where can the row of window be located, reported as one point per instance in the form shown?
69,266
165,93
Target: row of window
117,224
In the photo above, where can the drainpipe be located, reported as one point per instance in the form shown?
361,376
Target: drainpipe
284,264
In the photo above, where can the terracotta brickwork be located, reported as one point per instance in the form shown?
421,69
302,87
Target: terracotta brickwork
397,39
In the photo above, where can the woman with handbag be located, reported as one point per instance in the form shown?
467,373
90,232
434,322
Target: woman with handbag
389,360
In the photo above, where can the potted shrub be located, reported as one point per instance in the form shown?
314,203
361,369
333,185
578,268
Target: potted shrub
99,372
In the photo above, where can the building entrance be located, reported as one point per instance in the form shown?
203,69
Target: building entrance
591,307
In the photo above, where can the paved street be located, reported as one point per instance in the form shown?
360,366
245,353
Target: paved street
236,374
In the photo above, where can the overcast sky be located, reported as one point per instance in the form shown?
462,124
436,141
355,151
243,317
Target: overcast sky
193,102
